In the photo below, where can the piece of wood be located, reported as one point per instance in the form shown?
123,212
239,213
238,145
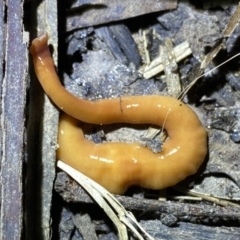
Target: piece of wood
42,133
85,226
118,39
13,97
94,12
170,68
2,49
72,192
190,231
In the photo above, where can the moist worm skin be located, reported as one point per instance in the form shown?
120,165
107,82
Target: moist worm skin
116,166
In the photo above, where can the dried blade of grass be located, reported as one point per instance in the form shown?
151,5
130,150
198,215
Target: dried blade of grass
155,67
97,196
107,202
207,197
232,24
145,45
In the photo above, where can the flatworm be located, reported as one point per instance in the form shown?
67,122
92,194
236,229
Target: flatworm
116,166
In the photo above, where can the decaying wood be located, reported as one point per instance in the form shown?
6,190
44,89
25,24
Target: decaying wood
2,52
170,68
85,226
118,39
42,129
72,192
190,231
90,13
13,95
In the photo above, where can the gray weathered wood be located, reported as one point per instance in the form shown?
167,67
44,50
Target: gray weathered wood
2,49
90,13
42,134
12,118
72,192
85,226
189,231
